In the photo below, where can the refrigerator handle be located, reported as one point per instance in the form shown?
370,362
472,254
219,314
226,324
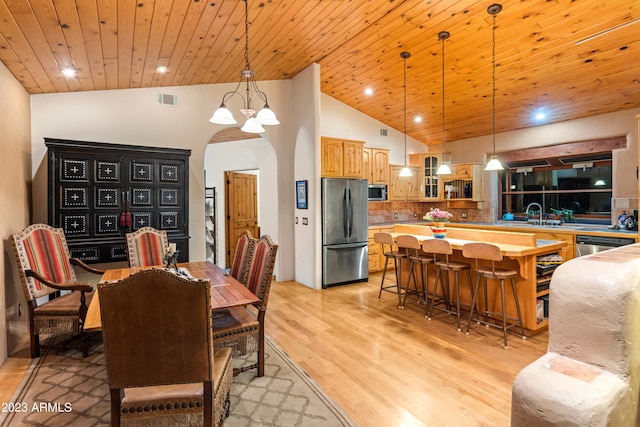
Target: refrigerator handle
345,211
350,214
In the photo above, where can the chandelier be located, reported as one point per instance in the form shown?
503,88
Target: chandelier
254,122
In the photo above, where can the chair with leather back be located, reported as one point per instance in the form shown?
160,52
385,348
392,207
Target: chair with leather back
242,328
161,365
146,247
46,268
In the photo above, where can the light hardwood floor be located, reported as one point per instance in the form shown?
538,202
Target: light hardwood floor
384,366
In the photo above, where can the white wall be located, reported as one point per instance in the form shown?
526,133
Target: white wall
308,241
15,184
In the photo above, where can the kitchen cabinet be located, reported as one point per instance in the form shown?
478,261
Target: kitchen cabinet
376,257
404,187
376,165
464,183
428,165
341,158
92,185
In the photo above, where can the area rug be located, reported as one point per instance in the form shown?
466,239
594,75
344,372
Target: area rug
65,389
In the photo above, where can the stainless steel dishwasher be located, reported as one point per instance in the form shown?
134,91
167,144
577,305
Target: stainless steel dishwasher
587,245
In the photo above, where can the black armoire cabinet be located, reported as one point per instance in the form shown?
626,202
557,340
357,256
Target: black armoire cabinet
92,184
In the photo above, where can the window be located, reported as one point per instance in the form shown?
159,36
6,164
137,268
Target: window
583,188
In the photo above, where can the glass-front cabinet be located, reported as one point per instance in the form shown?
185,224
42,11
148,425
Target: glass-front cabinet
428,164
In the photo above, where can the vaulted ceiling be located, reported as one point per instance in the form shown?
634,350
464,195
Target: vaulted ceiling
567,58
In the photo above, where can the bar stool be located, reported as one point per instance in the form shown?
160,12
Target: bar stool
443,267
386,240
411,247
489,252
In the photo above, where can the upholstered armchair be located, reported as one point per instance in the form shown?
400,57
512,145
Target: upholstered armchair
46,268
161,365
146,247
242,328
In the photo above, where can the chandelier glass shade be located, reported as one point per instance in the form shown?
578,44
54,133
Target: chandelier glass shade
254,122
494,164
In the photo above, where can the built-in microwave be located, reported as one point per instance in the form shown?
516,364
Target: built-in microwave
377,192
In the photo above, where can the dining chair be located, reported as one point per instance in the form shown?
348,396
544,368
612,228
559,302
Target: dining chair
239,266
387,246
161,365
146,247
46,268
242,328
491,253
411,248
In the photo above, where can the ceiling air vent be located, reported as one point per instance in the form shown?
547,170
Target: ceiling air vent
383,132
537,163
168,99
586,158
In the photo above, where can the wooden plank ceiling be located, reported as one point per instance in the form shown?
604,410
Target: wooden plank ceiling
567,58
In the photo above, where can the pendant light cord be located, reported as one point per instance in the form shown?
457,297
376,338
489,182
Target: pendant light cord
443,38
493,82
405,110
246,34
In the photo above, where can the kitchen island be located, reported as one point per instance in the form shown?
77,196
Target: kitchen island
520,251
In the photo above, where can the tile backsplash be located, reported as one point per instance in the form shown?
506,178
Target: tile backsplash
390,212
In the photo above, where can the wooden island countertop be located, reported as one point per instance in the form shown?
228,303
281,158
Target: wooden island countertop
520,251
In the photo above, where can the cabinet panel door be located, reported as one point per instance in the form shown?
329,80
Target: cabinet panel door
352,152
367,165
397,184
380,166
332,160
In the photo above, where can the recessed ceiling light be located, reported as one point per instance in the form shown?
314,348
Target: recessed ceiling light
162,69
418,119
69,72
368,91
540,116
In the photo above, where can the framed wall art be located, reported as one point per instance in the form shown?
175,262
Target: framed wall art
301,194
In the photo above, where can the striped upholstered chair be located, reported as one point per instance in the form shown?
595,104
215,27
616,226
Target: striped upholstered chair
239,266
146,247
45,268
242,328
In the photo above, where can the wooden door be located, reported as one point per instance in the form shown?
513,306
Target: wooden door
241,195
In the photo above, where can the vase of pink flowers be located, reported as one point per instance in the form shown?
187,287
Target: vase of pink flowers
438,220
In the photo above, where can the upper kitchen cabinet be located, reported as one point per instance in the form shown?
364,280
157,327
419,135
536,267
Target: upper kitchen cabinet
404,187
341,158
428,165
376,165
464,183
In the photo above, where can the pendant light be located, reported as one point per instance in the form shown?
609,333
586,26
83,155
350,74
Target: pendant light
405,170
494,164
266,116
444,168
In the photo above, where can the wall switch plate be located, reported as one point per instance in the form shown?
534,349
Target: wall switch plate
463,214
415,214
395,215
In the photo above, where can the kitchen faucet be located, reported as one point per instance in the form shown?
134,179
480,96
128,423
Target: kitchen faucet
538,205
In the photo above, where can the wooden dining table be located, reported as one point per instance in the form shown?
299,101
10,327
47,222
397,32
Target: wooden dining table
226,291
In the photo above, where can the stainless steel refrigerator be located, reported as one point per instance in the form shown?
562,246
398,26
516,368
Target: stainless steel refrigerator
345,219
